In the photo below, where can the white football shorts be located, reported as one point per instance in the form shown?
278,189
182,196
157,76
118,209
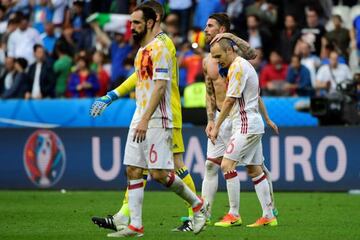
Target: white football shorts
155,152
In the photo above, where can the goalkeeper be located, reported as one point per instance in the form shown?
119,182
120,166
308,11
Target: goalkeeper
121,218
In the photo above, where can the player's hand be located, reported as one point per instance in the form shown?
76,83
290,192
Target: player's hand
140,131
217,37
101,103
273,126
209,127
213,135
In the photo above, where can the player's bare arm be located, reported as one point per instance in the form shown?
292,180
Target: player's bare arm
245,50
225,110
210,100
156,96
266,117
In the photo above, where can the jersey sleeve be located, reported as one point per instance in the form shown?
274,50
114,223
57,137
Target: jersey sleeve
237,81
162,62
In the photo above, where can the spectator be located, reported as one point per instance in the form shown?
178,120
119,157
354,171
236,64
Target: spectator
256,36
182,8
204,9
329,76
49,39
298,78
16,89
313,31
59,12
7,76
339,37
355,37
10,28
119,51
22,41
41,80
266,12
82,83
62,69
102,74
81,33
288,38
273,75
191,59
310,61
259,62
42,14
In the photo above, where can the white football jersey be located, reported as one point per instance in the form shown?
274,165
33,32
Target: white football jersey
243,84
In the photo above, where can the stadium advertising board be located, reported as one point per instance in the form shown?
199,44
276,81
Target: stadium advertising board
319,159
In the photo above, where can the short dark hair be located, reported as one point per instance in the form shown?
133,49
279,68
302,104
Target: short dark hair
296,56
148,13
223,20
22,61
156,6
36,46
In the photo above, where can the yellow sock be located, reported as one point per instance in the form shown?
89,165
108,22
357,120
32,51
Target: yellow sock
124,210
185,176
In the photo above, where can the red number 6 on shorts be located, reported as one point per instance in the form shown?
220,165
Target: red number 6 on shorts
230,147
153,154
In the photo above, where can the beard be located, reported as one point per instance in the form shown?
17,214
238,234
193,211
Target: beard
138,36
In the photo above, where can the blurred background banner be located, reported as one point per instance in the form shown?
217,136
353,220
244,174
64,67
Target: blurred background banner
75,113
300,159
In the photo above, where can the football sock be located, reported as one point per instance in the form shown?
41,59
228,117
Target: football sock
210,182
263,194
268,177
136,196
185,176
233,189
124,210
176,185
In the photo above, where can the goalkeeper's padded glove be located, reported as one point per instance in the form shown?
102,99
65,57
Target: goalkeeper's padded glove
101,103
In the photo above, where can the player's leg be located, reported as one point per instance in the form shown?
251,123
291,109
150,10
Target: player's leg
232,218
161,170
180,168
135,160
268,177
255,171
215,154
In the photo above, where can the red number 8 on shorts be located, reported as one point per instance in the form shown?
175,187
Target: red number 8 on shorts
153,154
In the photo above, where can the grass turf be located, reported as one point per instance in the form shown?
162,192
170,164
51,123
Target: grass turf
53,215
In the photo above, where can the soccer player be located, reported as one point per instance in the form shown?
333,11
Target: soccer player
218,26
242,104
121,218
149,143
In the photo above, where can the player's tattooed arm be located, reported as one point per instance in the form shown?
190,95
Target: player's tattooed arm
210,95
244,49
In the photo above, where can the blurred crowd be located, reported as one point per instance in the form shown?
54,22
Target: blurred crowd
49,49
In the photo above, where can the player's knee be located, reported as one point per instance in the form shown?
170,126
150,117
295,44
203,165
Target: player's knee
134,172
254,170
227,165
211,168
159,175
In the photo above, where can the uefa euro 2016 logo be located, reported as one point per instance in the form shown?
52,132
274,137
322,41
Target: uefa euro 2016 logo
44,158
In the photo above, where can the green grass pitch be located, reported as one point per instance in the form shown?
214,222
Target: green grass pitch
53,215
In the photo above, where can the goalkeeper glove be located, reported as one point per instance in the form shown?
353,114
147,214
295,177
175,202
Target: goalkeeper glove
101,103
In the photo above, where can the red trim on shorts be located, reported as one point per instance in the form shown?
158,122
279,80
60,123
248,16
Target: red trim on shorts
138,230
135,186
259,180
171,179
215,160
230,174
199,206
